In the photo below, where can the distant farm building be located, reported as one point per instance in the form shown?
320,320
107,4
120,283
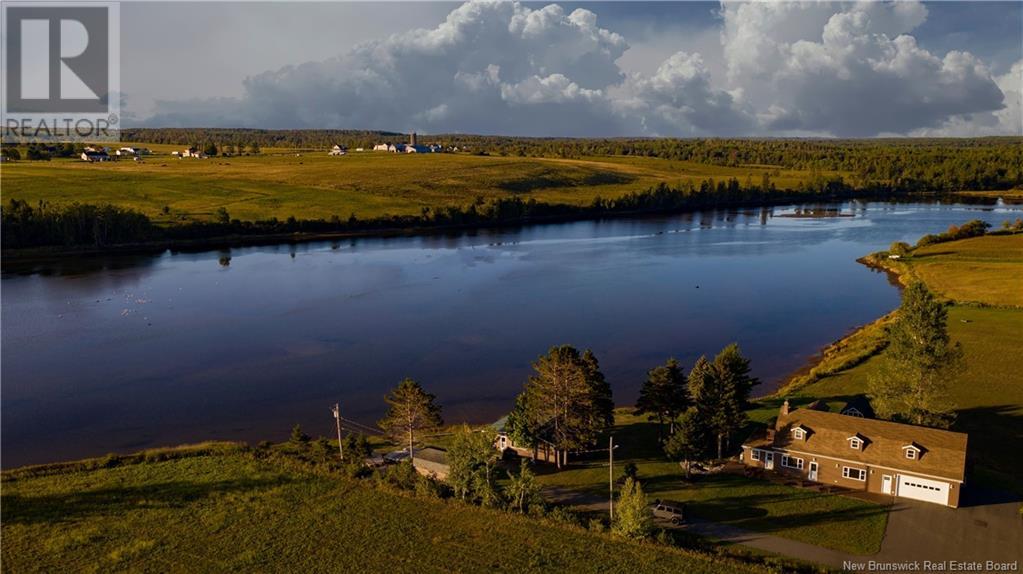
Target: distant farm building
136,151
191,152
338,150
413,146
91,154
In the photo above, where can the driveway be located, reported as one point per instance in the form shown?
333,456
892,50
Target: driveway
769,543
988,527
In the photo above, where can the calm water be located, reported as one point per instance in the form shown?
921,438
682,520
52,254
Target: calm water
140,351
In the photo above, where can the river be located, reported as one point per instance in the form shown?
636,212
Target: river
121,353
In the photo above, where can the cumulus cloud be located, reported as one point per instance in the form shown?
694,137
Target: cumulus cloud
824,68
849,69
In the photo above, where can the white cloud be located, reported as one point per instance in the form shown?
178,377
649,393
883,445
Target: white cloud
850,69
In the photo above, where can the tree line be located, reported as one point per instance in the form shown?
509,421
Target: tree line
47,224
905,164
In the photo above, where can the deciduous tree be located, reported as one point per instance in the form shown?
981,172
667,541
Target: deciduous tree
633,517
473,459
917,367
523,489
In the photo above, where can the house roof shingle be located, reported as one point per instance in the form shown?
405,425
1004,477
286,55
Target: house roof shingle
943,453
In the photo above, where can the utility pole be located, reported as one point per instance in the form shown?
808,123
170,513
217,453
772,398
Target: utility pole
611,474
336,409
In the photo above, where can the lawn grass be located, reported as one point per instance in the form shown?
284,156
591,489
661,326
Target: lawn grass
986,270
231,512
830,520
984,276
988,394
317,186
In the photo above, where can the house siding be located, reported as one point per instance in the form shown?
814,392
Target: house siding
829,471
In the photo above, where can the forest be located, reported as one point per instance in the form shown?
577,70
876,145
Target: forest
932,164
99,226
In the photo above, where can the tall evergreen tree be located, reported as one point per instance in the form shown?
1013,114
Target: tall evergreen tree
410,410
912,383
664,395
733,374
566,400
689,441
603,411
710,400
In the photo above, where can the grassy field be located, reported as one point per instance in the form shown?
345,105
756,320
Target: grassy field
830,520
986,270
989,392
233,513
314,185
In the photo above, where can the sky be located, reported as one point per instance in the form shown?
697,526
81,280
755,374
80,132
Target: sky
683,69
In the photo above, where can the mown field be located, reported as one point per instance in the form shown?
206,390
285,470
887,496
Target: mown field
984,276
986,270
230,512
830,520
368,184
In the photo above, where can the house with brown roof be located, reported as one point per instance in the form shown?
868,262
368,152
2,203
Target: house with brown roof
860,453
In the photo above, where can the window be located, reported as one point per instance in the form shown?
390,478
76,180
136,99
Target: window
855,443
854,473
910,454
799,433
792,462
754,454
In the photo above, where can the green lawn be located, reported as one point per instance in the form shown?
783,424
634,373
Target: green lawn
368,184
986,270
988,394
829,520
233,513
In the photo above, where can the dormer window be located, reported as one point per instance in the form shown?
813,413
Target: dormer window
800,432
912,451
856,442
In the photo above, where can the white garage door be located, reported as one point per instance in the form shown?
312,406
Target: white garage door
923,489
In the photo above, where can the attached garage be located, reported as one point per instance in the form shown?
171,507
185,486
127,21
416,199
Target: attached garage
923,489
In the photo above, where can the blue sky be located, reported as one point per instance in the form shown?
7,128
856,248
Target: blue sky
579,69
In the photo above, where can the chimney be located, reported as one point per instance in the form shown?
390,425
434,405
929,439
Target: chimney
412,139
784,408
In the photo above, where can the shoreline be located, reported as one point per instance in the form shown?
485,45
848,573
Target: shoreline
38,254
33,255
820,364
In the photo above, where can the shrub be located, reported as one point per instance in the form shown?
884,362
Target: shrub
633,518
298,438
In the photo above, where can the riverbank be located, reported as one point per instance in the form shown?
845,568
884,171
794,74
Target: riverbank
219,237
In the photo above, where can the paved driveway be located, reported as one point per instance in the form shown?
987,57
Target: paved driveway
987,528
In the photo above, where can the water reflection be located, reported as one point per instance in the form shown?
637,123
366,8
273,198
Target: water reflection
122,352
